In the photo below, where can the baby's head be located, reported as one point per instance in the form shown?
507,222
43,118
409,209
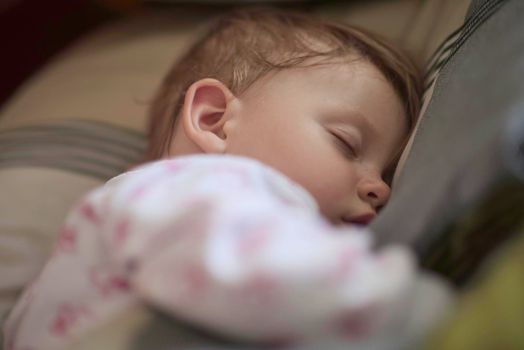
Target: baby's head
326,104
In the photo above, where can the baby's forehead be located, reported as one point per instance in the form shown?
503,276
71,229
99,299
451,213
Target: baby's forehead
318,71
342,91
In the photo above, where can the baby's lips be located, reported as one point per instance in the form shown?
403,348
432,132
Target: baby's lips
363,219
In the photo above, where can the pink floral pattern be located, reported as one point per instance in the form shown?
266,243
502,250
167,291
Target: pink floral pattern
67,240
260,270
89,212
66,317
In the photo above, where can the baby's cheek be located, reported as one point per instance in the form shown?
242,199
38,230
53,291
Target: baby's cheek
331,192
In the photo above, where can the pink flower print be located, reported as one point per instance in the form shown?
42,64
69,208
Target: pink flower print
121,232
67,317
195,279
89,213
173,166
107,283
67,240
139,192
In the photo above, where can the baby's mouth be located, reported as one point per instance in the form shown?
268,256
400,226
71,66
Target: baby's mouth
362,220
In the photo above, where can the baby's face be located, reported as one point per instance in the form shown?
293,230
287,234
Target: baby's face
334,129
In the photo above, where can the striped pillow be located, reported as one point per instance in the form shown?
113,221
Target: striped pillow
455,40
90,148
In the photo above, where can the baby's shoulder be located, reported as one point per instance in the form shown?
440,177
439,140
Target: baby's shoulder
204,164
209,170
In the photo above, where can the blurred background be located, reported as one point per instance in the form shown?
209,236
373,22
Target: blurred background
33,31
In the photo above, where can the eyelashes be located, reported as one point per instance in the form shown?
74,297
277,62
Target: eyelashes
346,147
352,152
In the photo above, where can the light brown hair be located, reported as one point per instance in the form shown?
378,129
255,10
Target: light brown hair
244,45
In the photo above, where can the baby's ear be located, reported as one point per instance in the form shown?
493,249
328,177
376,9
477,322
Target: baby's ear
204,114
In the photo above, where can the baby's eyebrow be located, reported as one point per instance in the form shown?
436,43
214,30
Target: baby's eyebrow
360,120
363,121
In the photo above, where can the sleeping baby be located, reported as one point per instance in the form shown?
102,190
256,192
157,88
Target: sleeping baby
272,145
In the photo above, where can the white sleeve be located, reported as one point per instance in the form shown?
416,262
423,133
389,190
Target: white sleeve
233,249
221,242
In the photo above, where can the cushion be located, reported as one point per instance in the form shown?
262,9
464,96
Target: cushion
464,154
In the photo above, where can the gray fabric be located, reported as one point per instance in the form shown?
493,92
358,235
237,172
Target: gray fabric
459,149
475,17
474,6
99,150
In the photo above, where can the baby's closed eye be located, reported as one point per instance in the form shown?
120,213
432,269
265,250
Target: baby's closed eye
347,146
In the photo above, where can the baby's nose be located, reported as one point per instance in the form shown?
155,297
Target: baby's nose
375,192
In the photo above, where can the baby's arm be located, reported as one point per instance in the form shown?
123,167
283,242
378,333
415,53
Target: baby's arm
224,243
256,267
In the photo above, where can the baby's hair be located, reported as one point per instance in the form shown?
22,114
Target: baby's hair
245,45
